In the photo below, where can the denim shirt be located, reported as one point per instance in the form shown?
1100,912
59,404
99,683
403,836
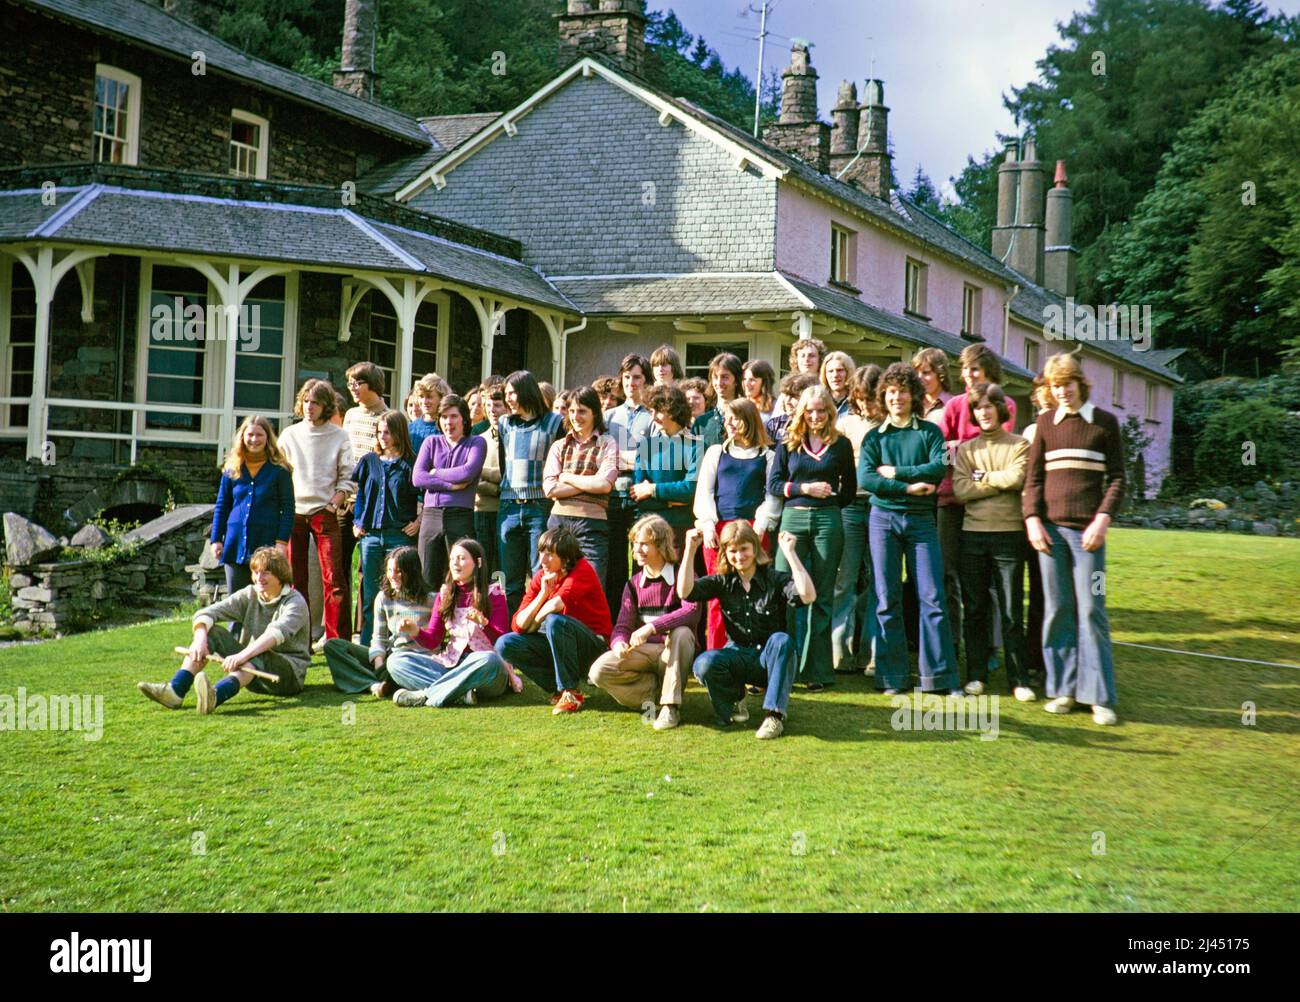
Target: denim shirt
386,497
252,512
628,424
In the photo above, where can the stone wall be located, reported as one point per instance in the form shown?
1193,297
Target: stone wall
49,86
57,597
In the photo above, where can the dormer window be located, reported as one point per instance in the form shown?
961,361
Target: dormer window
116,134
249,136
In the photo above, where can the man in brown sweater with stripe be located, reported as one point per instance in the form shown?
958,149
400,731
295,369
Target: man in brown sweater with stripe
1073,486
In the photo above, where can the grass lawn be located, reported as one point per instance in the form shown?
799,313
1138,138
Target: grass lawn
504,807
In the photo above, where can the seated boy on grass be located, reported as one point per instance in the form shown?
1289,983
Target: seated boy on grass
274,637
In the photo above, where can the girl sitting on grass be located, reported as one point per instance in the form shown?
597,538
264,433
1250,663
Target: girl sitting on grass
468,617
402,595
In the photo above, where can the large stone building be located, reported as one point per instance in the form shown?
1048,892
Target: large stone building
158,184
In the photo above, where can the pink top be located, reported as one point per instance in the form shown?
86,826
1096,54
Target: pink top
461,633
958,426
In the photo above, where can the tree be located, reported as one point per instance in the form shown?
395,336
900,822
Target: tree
923,192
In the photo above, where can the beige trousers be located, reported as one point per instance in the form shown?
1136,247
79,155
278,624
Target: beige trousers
633,677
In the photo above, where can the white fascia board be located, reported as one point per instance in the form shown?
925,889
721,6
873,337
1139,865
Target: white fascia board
586,67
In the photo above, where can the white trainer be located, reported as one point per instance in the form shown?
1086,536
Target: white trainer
161,692
668,718
410,697
1104,715
1025,694
740,712
1061,704
975,688
770,728
204,692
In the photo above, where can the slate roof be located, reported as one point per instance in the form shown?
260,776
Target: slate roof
308,235
855,311
1031,305
139,23
445,132
449,131
684,295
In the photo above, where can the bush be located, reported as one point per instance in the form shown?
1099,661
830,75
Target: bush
1244,441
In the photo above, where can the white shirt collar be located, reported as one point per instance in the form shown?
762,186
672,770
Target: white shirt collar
1086,412
891,423
666,573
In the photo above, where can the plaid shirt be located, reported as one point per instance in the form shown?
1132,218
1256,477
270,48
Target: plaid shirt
523,449
598,455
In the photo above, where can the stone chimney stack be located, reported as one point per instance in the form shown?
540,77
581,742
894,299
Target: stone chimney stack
1018,237
1027,254
844,127
613,29
871,169
356,75
798,131
1060,259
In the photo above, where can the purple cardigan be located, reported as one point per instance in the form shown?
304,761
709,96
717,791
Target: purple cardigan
455,464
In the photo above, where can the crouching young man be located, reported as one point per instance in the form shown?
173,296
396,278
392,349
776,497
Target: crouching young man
563,623
754,598
653,642
275,638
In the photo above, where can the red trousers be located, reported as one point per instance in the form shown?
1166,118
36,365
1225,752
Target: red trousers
324,526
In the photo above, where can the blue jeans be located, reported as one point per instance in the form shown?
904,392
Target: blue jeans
1076,630
593,539
558,656
519,527
848,615
375,545
726,671
443,686
894,534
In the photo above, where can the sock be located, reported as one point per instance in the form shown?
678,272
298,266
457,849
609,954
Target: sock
226,688
182,681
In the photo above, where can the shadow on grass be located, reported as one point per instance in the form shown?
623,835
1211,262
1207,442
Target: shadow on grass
1171,628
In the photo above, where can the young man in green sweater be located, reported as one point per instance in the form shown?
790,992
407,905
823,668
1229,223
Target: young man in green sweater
987,477
901,464
276,631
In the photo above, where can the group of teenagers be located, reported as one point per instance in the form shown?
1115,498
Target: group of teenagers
649,526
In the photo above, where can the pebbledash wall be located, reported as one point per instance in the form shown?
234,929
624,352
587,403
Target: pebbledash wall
184,118
592,184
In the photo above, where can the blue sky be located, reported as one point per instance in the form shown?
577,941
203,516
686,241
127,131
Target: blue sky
945,64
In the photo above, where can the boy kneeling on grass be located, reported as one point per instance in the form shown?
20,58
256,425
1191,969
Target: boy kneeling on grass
754,598
275,637
653,642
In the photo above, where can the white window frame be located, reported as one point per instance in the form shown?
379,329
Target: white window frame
681,341
1117,388
214,360
1153,401
1034,348
972,303
7,268
917,308
843,255
263,148
442,351
132,84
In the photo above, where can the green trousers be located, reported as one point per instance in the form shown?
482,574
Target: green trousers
820,535
350,666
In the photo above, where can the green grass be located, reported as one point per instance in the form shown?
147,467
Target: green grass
301,810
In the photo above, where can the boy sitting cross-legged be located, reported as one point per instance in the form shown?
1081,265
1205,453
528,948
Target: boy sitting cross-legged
754,599
275,637
654,639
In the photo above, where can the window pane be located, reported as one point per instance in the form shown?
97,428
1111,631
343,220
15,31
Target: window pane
23,357
171,390
257,396
270,341
383,355
176,363
255,367
700,354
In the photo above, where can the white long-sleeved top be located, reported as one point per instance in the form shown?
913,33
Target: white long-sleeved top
768,516
321,456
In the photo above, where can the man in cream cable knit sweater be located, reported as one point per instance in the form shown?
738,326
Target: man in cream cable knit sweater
321,454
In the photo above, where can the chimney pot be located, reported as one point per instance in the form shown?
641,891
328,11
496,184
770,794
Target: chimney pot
1061,179
613,29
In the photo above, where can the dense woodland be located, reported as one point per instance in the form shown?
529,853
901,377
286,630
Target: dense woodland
1179,119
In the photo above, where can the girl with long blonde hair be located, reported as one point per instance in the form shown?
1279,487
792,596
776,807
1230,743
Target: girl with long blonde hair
814,474
255,501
